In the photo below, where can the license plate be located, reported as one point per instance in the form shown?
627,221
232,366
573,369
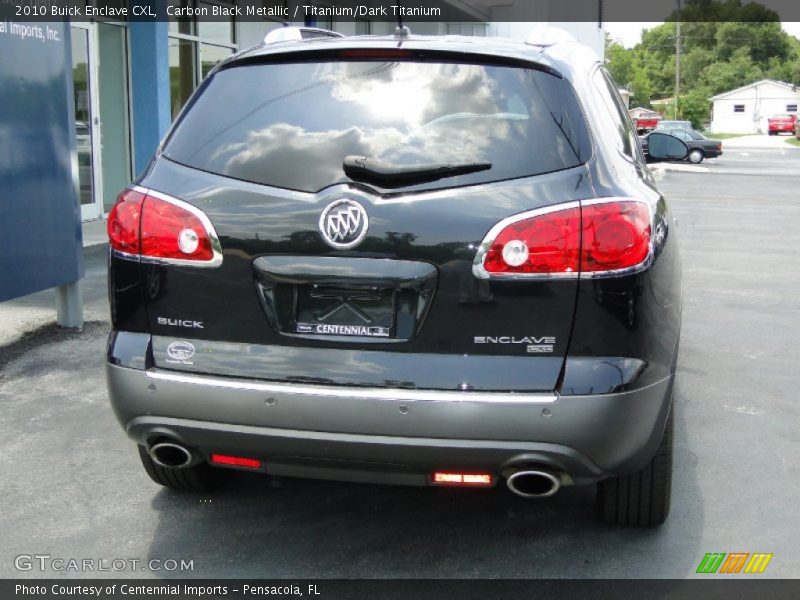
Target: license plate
357,330
345,312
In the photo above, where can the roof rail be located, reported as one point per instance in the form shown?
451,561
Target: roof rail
546,35
298,34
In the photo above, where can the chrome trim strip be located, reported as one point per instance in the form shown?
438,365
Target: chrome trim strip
324,391
125,255
479,271
216,247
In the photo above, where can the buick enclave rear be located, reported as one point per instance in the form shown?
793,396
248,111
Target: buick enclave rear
401,260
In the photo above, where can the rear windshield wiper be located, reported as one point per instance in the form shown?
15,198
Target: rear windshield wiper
383,174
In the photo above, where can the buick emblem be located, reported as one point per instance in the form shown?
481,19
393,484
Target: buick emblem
344,224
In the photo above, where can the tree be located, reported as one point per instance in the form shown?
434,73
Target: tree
696,107
626,70
722,76
694,63
725,44
641,89
763,41
620,63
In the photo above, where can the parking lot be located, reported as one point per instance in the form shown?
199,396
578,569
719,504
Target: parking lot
74,488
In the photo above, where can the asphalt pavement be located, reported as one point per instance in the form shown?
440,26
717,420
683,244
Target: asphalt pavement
73,486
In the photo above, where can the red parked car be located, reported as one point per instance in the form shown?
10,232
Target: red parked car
782,123
646,122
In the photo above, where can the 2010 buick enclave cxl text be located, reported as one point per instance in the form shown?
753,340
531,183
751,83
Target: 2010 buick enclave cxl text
402,260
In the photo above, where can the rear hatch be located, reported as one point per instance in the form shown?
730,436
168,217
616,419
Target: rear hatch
331,275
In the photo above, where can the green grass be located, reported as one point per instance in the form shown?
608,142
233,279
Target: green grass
722,136
793,141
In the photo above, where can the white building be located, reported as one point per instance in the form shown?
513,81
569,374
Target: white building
747,109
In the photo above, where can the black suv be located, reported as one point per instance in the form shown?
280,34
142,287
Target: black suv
403,260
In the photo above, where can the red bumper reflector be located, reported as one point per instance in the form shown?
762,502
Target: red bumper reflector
235,461
470,479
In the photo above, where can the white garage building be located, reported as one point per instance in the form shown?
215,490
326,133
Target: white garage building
746,109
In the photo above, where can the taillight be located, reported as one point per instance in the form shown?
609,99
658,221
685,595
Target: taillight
171,231
548,242
160,228
604,236
616,235
123,222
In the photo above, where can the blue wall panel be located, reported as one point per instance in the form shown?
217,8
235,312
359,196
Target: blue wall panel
40,229
149,88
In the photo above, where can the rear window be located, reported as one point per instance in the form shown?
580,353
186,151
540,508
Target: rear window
291,125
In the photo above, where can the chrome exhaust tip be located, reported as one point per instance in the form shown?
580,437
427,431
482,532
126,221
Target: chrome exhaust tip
533,483
171,455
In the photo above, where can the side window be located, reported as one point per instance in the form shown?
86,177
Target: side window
684,135
617,113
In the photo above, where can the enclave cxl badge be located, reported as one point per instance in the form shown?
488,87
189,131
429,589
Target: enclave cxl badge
533,345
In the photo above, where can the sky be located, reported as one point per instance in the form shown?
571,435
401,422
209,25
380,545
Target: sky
629,34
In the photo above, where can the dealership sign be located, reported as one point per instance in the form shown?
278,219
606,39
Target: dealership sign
40,233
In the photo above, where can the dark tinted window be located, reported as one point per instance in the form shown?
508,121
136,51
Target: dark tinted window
674,125
681,134
291,125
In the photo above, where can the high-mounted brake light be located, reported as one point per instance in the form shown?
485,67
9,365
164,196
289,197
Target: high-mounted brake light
375,53
151,226
235,461
597,238
465,479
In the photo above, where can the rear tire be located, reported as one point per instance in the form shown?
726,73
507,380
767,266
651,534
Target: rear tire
199,478
696,156
643,498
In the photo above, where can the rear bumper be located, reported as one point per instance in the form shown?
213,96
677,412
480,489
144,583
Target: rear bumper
391,436
709,152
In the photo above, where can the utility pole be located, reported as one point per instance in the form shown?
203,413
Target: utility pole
677,58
